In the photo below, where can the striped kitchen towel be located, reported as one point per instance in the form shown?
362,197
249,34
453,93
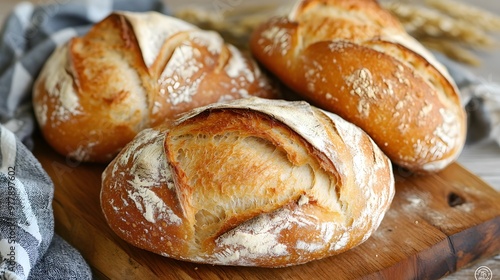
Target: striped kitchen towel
26,219
29,249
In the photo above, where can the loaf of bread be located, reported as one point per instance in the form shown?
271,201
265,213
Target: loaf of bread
133,71
252,182
353,58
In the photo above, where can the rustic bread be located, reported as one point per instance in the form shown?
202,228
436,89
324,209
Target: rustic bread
355,59
252,182
132,71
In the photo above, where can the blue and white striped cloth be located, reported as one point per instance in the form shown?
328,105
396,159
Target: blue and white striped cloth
29,249
26,219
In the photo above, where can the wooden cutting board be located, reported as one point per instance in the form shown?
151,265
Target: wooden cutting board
436,225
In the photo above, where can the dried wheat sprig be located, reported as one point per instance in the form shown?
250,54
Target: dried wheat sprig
435,29
479,17
423,22
199,17
263,11
234,25
243,17
452,50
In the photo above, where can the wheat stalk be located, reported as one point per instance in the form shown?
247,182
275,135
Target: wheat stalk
234,25
442,25
479,17
452,50
423,22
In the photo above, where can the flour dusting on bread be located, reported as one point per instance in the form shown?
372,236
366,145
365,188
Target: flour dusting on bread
152,30
131,71
355,59
252,182
59,85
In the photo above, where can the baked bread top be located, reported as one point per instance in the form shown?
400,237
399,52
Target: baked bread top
353,58
252,182
131,71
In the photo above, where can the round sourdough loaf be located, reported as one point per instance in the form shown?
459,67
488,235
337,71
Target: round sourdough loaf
251,182
355,59
130,72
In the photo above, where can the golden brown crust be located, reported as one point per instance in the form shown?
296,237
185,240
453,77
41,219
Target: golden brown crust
353,58
132,71
253,182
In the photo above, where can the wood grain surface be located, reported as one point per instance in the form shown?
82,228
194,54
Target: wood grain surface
482,160
436,225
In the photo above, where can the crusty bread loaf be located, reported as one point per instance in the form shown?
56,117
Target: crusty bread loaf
131,71
252,182
353,58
